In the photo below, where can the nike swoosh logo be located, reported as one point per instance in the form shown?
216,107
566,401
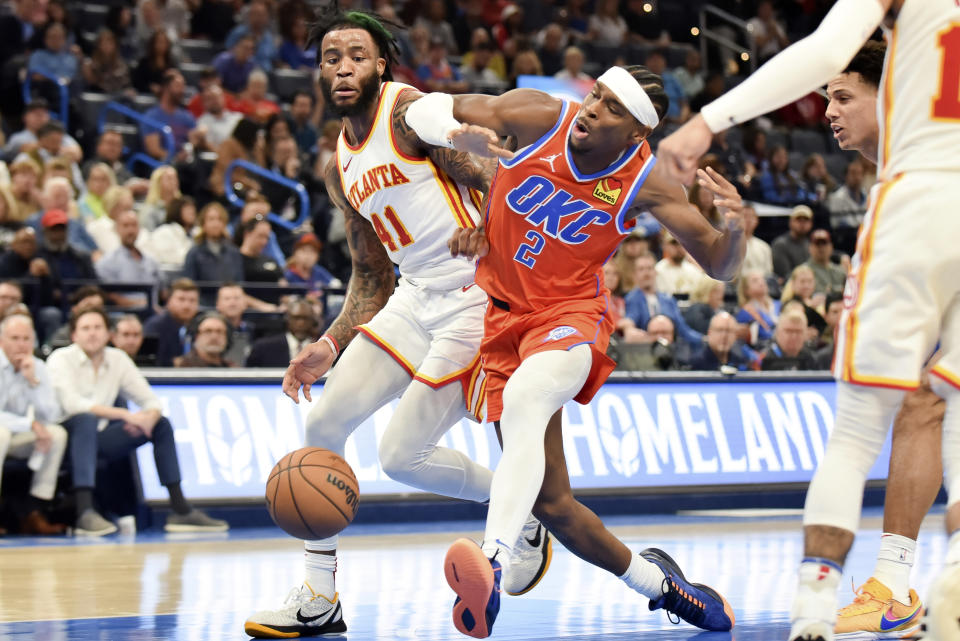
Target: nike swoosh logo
887,624
348,163
535,541
466,287
303,619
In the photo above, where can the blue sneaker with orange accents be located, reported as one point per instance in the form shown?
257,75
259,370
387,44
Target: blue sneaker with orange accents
695,603
476,580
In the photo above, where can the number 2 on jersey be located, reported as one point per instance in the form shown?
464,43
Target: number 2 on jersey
403,236
526,252
946,106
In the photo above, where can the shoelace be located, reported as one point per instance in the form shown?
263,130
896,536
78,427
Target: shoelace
679,603
861,603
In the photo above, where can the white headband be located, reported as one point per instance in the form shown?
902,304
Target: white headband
626,88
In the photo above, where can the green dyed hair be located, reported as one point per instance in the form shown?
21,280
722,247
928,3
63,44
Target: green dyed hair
333,18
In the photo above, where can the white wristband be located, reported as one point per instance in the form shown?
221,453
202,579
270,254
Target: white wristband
432,118
333,346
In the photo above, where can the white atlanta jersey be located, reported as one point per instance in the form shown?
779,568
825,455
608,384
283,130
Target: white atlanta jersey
919,106
411,203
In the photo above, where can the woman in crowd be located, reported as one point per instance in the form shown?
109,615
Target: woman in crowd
802,286
170,242
99,180
105,70
815,179
780,184
706,300
757,311
148,76
164,187
213,257
253,236
302,267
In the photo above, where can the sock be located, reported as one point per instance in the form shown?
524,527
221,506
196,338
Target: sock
644,577
894,564
84,498
816,599
953,548
321,569
177,502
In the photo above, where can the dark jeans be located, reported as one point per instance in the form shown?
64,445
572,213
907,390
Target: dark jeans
87,444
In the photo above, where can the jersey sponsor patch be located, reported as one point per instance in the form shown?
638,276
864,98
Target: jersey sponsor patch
559,333
608,190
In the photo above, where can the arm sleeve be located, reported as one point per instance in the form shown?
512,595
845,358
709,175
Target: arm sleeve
800,68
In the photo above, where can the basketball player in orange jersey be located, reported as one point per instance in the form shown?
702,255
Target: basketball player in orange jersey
904,291
557,211
419,341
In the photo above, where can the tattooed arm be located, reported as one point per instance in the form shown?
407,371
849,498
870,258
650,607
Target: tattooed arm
372,279
469,170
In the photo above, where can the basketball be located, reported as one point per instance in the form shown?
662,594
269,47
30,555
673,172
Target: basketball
312,493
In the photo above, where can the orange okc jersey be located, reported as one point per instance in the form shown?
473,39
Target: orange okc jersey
550,226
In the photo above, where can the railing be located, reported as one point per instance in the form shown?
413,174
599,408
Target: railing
272,176
706,33
166,134
62,86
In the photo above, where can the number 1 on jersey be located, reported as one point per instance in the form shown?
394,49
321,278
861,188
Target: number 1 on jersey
403,236
946,106
526,252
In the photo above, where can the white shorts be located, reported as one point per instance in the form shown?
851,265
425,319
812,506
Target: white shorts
435,335
903,294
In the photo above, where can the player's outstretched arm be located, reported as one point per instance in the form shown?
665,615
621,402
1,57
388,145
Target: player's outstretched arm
793,73
719,253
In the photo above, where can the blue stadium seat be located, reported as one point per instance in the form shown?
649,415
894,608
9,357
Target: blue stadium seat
809,142
286,82
90,104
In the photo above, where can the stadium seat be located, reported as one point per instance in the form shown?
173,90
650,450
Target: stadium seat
776,137
796,160
286,82
837,164
808,142
143,102
90,105
91,17
201,52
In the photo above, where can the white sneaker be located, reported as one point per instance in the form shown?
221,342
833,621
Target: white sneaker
529,561
304,614
942,620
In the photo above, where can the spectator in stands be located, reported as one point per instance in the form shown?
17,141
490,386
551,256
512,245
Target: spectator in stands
779,184
37,114
720,351
676,274
293,17
88,377
788,351
802,287
82,298
148,75
618,307
105,70
20,260
253,238
833,310
848,203
65,262
169,110
731,157
256,206
634,245
830,277
127,335
53,143
302,267
17,28
759,255
164,187
769,34
11,295
793,248
232,302
257,25
246,143
706,301
8,224
236,64
210,343
169,327
278,350
169,243
758,311
276,129
127,264
207,76
497,62
644,302
103,230
253,102
109,151
172,17
815,179
57,59
213,257
437,74
434,20
24,173
573,60
477,73
713,88
100,178
606,26
119,20
553,46
29,412
690,75
217,123
679,108
525,63
299,121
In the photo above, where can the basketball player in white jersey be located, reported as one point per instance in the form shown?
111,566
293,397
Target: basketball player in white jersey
903,294
419,341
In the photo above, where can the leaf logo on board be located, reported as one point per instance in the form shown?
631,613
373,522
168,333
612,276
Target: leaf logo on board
232,455
622,449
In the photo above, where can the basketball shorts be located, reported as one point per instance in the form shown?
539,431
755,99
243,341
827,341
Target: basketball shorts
435,336
510,337
902,296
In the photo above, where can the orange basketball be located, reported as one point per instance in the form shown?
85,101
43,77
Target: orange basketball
312,493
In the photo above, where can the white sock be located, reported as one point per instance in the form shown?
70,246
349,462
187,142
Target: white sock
953,548
321,569
816,600
644,577
894,563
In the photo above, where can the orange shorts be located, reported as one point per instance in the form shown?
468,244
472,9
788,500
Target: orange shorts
510,337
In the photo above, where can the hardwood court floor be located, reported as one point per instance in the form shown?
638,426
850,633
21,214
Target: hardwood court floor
199,588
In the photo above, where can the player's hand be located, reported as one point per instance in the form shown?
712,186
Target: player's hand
681,151
468,243
725,197
306,369
479,140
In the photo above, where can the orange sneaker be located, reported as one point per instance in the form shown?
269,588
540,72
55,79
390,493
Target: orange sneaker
875,614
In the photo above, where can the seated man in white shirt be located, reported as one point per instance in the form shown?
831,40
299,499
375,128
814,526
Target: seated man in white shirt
88,377
676,274
28,415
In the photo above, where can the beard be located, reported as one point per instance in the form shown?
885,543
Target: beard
369,92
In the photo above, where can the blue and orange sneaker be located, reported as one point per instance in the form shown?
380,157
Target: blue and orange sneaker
476,580
695,603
